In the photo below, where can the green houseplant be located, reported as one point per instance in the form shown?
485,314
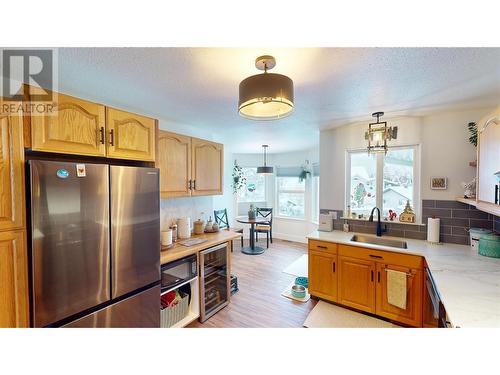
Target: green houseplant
472,126
239,179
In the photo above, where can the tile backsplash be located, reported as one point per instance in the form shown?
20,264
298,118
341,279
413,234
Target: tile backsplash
193,207
456,219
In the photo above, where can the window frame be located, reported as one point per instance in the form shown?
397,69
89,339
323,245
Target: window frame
278,191
380,177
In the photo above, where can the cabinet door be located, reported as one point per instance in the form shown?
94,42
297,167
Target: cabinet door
75,127
412,315
488,158
207,169
11,171
173,158
323,275
357,283
130,136
13,280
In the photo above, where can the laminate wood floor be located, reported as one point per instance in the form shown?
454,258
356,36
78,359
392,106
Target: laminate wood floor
259,303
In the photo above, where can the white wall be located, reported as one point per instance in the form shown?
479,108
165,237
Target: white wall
444,148
283,228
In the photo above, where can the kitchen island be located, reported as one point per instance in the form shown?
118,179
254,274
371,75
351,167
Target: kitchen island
468,284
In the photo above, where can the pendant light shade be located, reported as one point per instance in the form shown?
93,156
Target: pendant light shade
266,96
265,169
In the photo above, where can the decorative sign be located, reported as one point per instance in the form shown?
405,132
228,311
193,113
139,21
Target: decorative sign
80,170
439,183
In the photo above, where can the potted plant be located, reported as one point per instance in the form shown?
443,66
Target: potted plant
239,179
252,212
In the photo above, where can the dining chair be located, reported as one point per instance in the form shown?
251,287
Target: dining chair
267,228
220,217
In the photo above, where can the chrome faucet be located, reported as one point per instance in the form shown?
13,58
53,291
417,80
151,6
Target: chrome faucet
379,225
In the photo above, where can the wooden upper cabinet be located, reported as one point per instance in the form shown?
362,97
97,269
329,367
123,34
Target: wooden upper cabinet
14,311
488,157
207,167
356,283
130,136
11,172
75,127
173,158
323,275
412,315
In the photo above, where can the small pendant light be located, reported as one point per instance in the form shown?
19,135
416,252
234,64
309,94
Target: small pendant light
265,170
379,133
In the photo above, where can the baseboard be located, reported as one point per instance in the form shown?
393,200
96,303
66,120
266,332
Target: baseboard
288,237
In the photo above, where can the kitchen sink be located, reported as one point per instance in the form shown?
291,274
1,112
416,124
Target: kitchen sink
379,241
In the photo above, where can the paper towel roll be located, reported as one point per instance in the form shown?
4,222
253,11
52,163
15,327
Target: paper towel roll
166,237
433,230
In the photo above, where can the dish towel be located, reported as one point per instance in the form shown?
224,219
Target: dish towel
396,288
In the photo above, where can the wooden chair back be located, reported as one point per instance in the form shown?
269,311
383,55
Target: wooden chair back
220,217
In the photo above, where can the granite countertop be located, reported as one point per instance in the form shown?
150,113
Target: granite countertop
468,283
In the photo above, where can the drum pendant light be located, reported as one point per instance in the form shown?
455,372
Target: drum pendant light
266,96
265,169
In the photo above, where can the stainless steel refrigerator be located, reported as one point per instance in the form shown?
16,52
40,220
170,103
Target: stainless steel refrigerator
95,245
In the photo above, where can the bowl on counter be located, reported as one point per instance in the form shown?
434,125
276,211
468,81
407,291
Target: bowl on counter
298,291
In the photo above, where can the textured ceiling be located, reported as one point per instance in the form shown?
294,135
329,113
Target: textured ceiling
333,86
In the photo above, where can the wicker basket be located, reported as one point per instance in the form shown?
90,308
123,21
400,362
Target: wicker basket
171,315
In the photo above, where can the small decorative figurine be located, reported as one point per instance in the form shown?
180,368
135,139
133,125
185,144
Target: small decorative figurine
407,216
470,189
392,215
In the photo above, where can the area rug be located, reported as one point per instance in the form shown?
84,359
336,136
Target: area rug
326,315
298,267
288,294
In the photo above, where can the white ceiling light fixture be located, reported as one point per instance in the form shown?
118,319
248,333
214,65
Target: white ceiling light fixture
378,134
265,169
266,96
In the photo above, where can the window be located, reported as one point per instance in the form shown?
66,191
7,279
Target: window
255,187
291,197
386,181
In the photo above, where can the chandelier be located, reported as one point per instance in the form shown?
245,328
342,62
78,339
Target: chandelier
378,134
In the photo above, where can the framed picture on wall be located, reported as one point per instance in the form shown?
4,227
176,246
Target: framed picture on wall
439,183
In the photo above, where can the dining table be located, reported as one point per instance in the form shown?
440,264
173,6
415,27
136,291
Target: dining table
252,249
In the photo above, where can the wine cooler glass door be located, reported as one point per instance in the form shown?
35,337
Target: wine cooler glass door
214,280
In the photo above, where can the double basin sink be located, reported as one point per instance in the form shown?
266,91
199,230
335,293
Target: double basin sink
379,241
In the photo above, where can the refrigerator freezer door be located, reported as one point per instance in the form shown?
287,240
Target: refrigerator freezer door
139,311
135,228
70,239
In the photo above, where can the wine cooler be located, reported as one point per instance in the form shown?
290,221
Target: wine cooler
215,280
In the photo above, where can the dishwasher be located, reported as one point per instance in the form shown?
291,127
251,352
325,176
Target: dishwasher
214,280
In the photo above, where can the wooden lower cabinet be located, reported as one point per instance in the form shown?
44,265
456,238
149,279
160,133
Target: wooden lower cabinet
412,315
348,276
13,280
323,275
356,283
